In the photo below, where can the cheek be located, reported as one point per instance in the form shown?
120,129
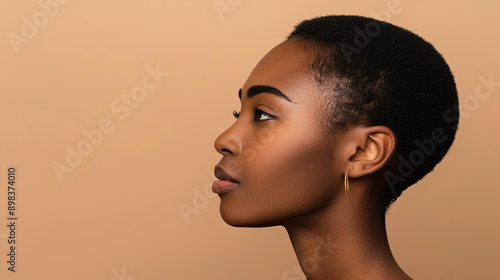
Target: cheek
300,172
286,178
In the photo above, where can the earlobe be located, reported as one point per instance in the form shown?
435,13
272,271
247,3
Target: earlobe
376,146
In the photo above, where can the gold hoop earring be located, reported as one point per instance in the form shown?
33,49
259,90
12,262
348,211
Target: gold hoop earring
346,182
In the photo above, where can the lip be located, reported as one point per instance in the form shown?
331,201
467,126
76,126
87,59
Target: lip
225,184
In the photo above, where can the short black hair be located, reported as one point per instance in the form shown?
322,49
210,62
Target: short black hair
382,74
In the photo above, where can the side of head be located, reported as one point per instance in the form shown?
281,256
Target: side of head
379,74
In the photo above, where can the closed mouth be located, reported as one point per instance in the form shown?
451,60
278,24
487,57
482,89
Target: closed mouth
221,174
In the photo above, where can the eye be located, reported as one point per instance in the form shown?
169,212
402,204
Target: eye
261,115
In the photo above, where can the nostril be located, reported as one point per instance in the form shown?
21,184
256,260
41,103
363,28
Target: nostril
226,144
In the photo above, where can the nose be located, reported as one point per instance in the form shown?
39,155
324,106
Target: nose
229,142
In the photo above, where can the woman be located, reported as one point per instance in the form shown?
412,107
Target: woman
335,123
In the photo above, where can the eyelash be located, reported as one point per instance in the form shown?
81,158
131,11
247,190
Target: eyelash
257,113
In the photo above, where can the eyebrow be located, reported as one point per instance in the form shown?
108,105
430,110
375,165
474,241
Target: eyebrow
255,90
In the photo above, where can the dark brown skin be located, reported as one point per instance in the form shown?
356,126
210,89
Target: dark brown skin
290,172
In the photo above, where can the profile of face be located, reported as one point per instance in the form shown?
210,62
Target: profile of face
279,165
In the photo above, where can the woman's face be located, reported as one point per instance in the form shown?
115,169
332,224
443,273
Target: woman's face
281,162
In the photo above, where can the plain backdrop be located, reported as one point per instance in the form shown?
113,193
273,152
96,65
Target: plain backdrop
110,207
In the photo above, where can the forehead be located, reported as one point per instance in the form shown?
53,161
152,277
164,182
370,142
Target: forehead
286,67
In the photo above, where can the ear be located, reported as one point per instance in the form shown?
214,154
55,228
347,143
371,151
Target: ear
370,149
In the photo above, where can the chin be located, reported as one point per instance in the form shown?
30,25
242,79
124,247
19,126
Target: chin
244,218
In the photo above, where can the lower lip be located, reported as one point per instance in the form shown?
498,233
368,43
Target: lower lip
223,186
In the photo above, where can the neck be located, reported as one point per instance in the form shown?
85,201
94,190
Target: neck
342,241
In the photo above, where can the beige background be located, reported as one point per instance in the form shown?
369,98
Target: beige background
116,215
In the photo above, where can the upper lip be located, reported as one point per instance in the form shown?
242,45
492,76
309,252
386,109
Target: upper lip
221,174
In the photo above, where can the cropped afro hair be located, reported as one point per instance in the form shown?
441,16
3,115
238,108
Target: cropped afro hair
381,74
